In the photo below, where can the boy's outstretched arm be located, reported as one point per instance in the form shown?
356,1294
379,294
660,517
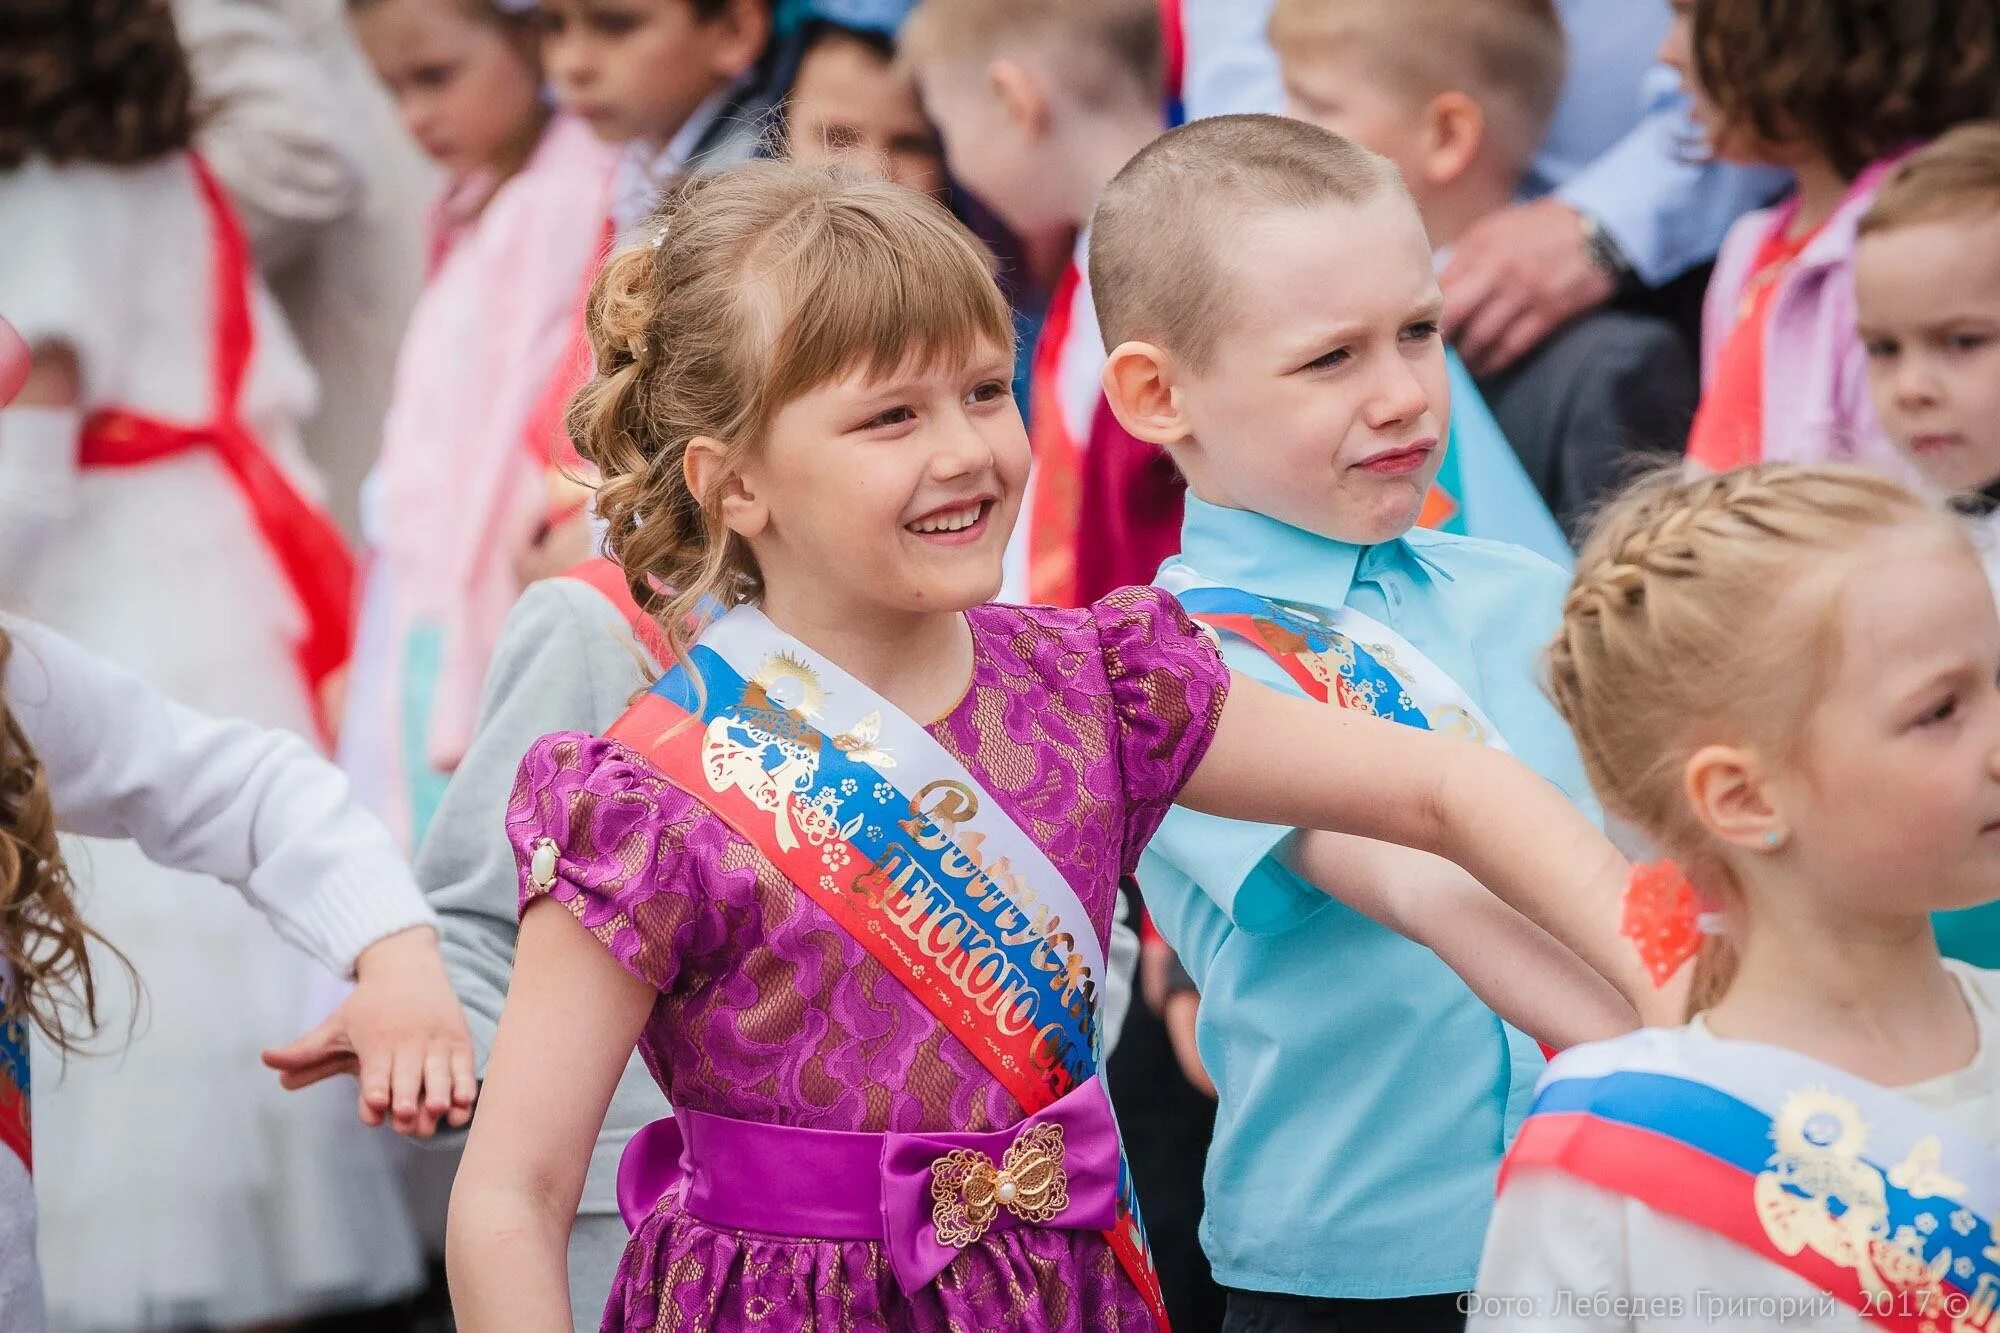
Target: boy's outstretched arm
1516,968
1292,762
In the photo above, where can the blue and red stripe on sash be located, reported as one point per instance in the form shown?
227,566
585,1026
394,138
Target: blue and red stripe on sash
1689,1150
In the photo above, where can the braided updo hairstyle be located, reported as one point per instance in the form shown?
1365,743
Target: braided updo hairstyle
755,286
1702,612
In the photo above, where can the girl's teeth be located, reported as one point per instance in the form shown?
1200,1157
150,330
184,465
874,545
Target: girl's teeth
958,522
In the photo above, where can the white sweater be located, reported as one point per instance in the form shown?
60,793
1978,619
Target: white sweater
254,807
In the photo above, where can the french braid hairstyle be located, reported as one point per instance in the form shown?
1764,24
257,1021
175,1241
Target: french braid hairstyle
754,286
1703,612
43,939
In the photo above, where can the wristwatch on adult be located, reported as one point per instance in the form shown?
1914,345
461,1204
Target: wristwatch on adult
1605,254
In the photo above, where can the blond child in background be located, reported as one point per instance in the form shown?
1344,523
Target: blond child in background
1039,103
1927,287
1459,94
1816,1149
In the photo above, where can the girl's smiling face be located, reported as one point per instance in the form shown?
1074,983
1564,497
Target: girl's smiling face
895,493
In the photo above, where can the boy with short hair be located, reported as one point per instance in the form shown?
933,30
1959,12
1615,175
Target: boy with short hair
1270,292
1459,94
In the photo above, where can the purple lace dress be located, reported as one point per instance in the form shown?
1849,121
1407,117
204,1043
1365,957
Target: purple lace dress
1084,724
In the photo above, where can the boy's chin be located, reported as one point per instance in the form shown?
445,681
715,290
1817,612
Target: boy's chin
1377,518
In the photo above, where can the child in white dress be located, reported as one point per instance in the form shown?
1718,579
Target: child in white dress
1786,677
157,509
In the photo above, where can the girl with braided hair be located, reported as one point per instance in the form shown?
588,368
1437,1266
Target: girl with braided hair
1785,676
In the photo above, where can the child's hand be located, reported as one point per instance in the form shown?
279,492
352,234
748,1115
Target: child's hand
401,1033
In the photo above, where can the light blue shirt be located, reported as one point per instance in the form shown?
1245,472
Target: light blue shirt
1366,1095
1621,147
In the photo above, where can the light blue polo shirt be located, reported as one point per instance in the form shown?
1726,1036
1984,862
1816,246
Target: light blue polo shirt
1366,1095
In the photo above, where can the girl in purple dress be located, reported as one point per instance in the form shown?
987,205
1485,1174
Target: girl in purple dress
843,875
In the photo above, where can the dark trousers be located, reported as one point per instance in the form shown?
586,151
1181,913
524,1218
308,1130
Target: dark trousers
1264,1312
1166,1125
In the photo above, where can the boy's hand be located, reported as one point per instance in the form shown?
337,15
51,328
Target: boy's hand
401,1033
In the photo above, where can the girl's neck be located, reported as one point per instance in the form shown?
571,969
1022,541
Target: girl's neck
920,661
1868,996
1821,189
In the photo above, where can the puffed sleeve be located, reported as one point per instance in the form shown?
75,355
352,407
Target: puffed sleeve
1168,685
633,858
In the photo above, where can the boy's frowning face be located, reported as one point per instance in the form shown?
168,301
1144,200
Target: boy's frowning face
1326,401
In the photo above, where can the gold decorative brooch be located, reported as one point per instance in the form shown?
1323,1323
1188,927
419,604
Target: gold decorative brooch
968,1190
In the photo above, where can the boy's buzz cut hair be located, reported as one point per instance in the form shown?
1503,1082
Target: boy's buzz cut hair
1158,238
1511,55
1104,50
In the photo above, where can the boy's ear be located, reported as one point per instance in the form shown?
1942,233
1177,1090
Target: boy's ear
1139,385
1729,790
1022,94
737,37
703,468
1454,135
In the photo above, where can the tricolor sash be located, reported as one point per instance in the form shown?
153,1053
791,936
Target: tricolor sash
14,1118
1869,1196
895,839
1338,656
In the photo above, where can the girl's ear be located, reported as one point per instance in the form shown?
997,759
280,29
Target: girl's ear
1730,791
1139,384
705,468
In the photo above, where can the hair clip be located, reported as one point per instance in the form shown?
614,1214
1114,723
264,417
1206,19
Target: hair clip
659,237
1662,915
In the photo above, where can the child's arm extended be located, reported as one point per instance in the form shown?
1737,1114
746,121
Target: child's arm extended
258,809
548,1083
1514,966
1280,760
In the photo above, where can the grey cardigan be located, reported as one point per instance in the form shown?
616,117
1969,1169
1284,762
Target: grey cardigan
567,661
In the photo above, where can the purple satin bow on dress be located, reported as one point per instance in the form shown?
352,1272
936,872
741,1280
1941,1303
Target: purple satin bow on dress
924,1196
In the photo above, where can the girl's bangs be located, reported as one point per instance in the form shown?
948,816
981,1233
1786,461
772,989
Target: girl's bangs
876,292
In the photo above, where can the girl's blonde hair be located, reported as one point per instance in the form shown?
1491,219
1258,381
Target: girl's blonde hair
43,939
1703,611
755,286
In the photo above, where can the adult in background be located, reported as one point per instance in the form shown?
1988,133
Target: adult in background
1616,205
